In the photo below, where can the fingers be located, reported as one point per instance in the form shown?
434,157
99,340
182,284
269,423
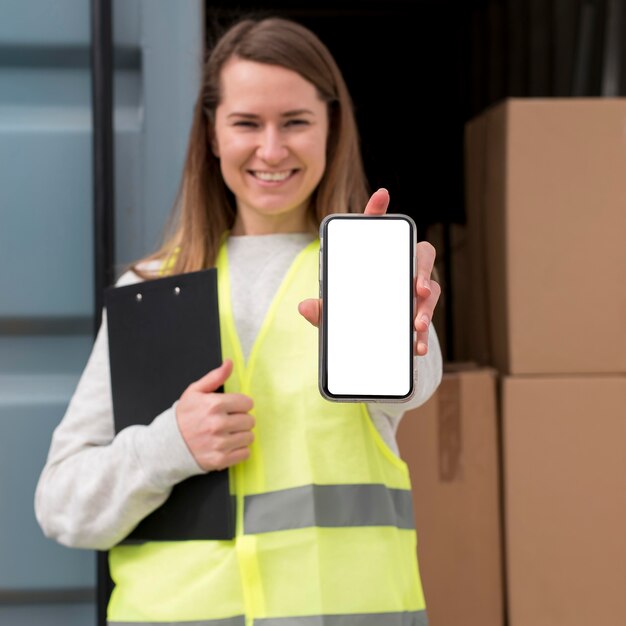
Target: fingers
216,427
424,315
214,379
378,202
311,309
232,458
425,261
225,450
216,437
427,292
226,426
227,441
232,403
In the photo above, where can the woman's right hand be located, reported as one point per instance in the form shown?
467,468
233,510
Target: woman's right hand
216,427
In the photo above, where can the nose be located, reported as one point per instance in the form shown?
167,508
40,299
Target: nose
272,148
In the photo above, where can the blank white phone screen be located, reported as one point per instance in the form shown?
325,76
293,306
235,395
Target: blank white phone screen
369,295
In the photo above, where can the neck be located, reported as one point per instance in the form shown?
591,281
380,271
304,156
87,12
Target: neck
272,225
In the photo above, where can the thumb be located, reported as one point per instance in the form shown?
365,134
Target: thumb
214,379
310,310
378,202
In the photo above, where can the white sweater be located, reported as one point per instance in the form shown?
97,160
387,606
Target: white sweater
96,487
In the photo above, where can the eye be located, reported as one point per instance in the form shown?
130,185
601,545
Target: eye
245,124
297,122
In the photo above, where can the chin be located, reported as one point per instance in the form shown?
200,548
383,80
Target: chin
273,207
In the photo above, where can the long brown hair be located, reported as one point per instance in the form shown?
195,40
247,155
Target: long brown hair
205,207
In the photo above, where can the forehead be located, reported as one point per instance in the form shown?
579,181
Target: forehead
249,84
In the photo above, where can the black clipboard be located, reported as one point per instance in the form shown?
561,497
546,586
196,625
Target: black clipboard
163,335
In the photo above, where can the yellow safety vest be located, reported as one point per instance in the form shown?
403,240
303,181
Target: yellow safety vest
324,534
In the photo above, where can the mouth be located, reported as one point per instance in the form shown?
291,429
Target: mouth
272,177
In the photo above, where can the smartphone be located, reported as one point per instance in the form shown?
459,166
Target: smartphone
367,269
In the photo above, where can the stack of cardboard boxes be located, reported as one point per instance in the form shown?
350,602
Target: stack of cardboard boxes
546,227
451,447
539,294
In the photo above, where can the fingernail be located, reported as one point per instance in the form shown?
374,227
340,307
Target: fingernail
422,348
426,284
425,319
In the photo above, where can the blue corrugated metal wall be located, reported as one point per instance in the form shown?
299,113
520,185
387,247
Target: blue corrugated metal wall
46,250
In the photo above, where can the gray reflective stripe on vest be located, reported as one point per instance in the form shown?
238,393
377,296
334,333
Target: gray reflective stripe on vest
328,506
415,618
240,620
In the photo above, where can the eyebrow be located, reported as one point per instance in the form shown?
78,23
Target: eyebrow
294,113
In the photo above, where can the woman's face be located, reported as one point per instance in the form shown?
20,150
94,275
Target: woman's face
270,137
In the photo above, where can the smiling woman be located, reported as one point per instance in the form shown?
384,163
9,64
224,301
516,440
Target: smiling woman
324,525
288,55
270,136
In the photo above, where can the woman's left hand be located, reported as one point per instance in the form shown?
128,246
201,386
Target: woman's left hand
427,290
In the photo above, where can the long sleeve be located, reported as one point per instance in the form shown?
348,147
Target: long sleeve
95,486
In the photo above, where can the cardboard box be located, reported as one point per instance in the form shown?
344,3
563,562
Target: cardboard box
546,231
451,447
565,497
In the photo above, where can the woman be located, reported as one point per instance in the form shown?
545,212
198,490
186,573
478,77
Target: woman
273,149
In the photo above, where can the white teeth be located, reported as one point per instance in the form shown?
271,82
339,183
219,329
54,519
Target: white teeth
272,176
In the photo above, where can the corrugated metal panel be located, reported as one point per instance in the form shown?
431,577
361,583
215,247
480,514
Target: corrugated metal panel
46,249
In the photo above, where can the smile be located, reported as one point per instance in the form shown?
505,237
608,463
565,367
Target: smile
272,176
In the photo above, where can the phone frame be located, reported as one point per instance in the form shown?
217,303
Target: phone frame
323,333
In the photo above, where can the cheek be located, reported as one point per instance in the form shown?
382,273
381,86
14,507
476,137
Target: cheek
316,151
233,149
